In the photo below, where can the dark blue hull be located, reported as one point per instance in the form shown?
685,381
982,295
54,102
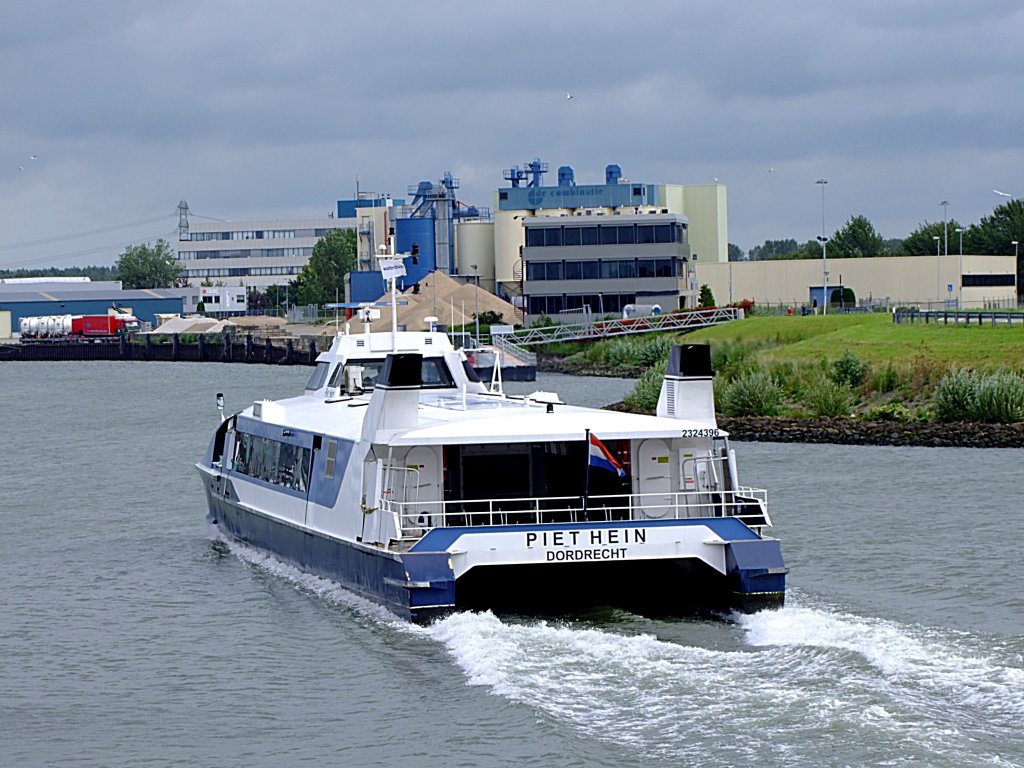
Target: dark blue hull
417,587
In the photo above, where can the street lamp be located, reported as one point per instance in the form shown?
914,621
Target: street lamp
476,302
945,231
822,239
824,274
960,275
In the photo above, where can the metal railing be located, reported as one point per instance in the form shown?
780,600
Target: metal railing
501,342
958,317
414,518
675,321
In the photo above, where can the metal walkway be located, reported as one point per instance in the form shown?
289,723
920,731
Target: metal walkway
679,321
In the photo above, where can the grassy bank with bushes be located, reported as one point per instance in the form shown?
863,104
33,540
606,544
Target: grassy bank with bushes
863,366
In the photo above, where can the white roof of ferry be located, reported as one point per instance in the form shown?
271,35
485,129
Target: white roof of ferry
514,423
485,419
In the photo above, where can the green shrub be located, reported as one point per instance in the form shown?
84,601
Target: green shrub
996,398
953,396
849,370
644,397
885,380
999,398
895,411
827,398
755,393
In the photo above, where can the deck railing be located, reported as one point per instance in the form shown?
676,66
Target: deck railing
414,518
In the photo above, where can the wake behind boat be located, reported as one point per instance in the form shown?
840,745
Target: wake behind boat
400,475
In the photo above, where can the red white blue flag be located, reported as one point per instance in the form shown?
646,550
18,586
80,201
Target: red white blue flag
601,457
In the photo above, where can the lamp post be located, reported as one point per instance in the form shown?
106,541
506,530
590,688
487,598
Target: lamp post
945,231
823,240
824,274
960,276
476,302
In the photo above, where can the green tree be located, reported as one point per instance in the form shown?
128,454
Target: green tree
857,239
921,242
148,266
323,278
736,253
995,234
773,249
707,298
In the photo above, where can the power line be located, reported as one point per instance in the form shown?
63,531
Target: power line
59,238
85,252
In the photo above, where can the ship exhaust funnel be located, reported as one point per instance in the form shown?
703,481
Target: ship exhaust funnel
687,392
394,404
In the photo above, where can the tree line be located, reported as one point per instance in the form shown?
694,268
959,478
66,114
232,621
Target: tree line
993,235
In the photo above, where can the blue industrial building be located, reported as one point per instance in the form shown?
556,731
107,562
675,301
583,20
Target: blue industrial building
69,299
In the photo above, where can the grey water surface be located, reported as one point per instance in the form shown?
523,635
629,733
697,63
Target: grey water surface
131,634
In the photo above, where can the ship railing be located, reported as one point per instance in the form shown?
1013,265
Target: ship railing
415,518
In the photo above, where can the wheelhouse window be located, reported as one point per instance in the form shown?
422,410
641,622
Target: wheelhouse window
319,375
272,461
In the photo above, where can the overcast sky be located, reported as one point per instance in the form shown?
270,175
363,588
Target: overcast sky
252,109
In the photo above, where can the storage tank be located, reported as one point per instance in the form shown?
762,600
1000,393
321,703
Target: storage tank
474,244
25,326
62,325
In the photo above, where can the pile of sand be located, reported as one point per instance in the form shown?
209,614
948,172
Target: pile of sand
450,301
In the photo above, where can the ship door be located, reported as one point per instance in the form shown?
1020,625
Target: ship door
654,479
426,477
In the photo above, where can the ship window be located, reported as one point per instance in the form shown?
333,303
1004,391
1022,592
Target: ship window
316,379
435,374
332,458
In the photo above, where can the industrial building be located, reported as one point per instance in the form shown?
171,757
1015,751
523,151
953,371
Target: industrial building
953,281
607,262
82,298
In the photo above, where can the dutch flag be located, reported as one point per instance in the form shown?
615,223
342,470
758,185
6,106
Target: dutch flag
601,457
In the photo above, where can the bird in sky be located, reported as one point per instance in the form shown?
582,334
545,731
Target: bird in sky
771,170
33,157
21,167
569,96
1002,194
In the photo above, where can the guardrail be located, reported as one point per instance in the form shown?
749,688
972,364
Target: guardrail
414,518
957,316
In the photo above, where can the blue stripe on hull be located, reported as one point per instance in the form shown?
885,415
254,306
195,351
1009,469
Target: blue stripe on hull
372,573
420,585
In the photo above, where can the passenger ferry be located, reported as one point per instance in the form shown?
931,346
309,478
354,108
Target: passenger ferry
400,475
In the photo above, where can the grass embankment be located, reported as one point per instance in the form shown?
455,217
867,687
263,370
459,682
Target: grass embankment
842,365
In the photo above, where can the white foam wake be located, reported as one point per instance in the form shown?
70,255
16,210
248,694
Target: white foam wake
792,686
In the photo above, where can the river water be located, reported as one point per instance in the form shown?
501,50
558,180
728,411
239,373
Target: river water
132,635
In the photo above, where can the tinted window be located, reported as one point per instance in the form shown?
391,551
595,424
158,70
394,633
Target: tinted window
573,270
610,270
627,268
645,268
663,233
588,236
316,379
627,235
591,270
645,233
571,236
534,237
553,270
553,236
534,270
608,235
664,268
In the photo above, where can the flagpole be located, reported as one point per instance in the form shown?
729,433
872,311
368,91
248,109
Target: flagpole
586,473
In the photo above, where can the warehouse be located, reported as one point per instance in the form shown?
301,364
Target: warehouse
30,300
